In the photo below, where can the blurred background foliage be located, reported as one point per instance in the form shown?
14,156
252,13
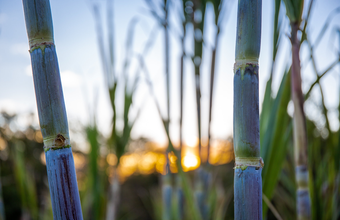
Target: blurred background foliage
141,162
25,185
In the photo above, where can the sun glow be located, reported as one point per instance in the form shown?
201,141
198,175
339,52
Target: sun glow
190,161
154,160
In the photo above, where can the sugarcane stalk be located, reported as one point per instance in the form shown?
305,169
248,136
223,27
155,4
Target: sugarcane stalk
51,109
248,163
113,198
180,195
217,8
166,193
182,82
166,179
299,131
198,22
188,193
303,205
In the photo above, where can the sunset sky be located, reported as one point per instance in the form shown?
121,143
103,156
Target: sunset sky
82,75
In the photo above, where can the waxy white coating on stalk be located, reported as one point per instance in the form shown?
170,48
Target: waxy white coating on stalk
244,162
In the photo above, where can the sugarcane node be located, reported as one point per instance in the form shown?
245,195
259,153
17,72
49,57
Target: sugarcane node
244,162
41,45
59,141
45,43
244,65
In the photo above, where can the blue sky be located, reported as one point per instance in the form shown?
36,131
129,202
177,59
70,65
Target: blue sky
83,82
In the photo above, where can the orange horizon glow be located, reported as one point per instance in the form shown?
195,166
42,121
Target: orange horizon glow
152,159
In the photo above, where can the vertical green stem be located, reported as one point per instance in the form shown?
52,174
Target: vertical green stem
199,11
52,113
299,134
180,195
248,163
217,8
166,179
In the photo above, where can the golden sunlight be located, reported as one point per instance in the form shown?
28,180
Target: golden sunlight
190,162
111,159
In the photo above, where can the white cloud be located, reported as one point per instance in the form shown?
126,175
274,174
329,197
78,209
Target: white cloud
20,49
70,79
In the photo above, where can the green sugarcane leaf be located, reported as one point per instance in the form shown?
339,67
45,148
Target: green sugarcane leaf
277,27
290,11
265,113
95,182
266,132
268,100
294,10
277,145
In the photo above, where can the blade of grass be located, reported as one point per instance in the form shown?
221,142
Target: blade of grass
271,207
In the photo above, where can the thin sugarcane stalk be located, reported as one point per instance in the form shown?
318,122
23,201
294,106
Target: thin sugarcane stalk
110,29
166,193
167,57
108,64
113,197
52,113
218,8
166,186
180,195
198,22
166,179
299,131
303,204
182,81
185,182
248,163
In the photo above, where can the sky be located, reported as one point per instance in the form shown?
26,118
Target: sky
84,87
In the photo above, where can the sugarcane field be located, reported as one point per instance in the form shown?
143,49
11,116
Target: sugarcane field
170,110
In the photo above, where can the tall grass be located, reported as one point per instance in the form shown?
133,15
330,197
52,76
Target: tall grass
119,139
211,200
